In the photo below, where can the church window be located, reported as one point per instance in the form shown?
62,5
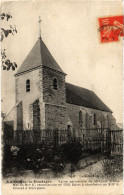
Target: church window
55,83
28,85
94,119
80,118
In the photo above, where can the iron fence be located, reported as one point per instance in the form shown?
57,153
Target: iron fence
103,140
117,142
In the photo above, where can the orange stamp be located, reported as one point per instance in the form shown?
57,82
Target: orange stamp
111,28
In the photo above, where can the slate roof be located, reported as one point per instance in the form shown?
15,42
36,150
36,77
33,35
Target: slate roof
84,97
39,56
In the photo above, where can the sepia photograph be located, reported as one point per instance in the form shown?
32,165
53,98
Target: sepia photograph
62,97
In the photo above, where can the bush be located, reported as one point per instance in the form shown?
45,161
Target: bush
72,151
37,157
28,157
7,161
112,167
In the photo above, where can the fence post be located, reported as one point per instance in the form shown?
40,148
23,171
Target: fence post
55,139
68,135
108,142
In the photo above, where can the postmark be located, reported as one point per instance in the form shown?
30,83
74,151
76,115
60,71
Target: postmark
111,28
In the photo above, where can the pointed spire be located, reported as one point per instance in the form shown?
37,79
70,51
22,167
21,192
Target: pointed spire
39,26
39,56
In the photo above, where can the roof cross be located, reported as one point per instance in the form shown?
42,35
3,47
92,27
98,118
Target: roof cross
39,26
92,87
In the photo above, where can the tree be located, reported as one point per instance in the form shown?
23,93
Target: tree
6,63
3,115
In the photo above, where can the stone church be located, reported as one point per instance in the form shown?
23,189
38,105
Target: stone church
45,101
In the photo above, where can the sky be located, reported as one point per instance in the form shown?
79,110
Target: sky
70,31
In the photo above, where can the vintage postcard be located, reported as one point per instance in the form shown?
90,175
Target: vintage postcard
62,97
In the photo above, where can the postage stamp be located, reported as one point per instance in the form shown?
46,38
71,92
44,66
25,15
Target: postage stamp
111,28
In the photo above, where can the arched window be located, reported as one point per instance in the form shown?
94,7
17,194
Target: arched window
80,118
94,119
28,85
55,83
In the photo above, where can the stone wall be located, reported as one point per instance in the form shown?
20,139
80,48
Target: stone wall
41,87
103,119
31,116
55,117
28,98
55,99
51,95
20,116
35,78
36,115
